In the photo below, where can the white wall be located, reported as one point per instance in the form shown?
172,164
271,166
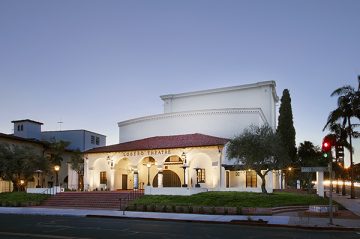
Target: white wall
224,123
222,112
259,95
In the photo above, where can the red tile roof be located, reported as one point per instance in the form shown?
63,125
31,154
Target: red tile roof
163,142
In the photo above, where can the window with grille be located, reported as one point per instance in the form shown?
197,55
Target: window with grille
251,179
97,140
201,175
103,179
92,139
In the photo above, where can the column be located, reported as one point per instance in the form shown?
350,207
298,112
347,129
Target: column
320,183
86,175
112,179
136,180
187,177
160,179
91,178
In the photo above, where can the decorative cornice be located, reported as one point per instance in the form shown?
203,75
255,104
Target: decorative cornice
196,112
218,90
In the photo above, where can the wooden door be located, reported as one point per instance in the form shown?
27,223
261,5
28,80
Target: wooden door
227,179
124,181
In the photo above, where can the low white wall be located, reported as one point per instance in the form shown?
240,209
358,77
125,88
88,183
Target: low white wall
173,191
53,190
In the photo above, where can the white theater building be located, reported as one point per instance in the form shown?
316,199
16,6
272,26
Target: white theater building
183,150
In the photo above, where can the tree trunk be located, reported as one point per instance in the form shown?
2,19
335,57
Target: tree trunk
263,183
16,186
352,188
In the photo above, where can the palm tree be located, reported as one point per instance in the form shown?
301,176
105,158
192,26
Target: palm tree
348,107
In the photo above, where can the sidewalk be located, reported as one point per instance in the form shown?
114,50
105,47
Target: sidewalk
291,220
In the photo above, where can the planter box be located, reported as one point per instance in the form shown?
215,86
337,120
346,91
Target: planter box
170,208
256,211
219,210
160,208
208,210
232,211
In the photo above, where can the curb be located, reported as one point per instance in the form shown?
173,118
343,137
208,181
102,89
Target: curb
244,223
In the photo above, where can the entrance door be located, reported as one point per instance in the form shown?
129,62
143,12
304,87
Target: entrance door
124,181
227,179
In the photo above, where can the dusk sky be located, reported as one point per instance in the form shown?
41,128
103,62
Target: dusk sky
92,64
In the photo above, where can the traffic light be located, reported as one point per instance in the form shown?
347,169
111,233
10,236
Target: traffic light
326,144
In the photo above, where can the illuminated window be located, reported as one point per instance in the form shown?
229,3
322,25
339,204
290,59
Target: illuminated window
103,179
251,179
201,175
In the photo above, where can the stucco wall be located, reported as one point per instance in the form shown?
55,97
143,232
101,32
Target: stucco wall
224,123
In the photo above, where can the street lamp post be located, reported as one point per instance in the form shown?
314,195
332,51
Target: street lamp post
38,177
57,168
183,157
184,167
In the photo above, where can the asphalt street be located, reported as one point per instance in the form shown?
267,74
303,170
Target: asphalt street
61,227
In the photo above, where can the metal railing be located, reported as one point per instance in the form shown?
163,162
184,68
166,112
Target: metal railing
130,196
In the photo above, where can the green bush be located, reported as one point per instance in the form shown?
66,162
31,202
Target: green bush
21,199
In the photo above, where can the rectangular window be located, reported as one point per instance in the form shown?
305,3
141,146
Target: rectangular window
92,139
103,179
251,179
18,127
97,141
201,175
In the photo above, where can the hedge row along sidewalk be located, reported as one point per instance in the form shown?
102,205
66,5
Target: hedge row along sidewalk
225,202
21,199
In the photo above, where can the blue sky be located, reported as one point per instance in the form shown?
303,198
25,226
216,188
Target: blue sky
92,64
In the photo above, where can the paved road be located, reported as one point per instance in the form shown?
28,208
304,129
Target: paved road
31,226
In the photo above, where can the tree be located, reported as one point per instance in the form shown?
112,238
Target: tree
259,149
348,107
285,127
18,164
309,156
55,151
77,164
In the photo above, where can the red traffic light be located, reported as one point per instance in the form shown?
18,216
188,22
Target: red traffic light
327,143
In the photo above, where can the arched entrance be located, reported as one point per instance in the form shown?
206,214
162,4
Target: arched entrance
170,179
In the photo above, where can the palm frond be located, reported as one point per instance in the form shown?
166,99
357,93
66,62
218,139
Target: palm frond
343,90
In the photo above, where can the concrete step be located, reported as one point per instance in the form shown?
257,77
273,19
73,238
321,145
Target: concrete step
276,210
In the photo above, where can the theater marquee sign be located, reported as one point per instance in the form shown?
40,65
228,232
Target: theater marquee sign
146,153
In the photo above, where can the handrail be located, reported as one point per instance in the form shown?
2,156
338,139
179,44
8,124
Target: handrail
129,197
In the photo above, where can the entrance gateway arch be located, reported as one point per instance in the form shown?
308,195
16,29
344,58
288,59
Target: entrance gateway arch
170,179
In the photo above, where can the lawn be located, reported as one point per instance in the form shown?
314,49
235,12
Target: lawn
21,199
235,199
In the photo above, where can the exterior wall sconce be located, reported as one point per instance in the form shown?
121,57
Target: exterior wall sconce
110,161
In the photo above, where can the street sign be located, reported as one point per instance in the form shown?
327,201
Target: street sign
314,169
